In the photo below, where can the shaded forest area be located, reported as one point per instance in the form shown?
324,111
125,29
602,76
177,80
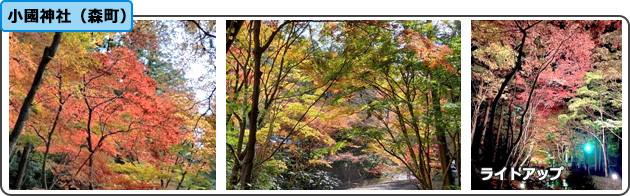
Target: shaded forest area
327,104
547,94
113,110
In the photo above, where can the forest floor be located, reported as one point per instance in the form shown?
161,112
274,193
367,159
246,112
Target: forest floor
580,180
393,181
603,183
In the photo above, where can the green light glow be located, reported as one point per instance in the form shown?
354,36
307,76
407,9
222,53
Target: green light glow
588,148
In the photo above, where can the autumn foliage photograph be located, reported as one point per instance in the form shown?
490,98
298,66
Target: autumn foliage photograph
547,96
343,105
129,110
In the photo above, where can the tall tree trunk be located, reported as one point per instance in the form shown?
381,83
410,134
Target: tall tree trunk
250,148
238,155
476,144
91,177
25,110
510,135
597,157
90,147
484,127
248,162
476,114
605,157
445,160
44,181
234,178
179,185
48,140
498,136
522,122
24,160
603,143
